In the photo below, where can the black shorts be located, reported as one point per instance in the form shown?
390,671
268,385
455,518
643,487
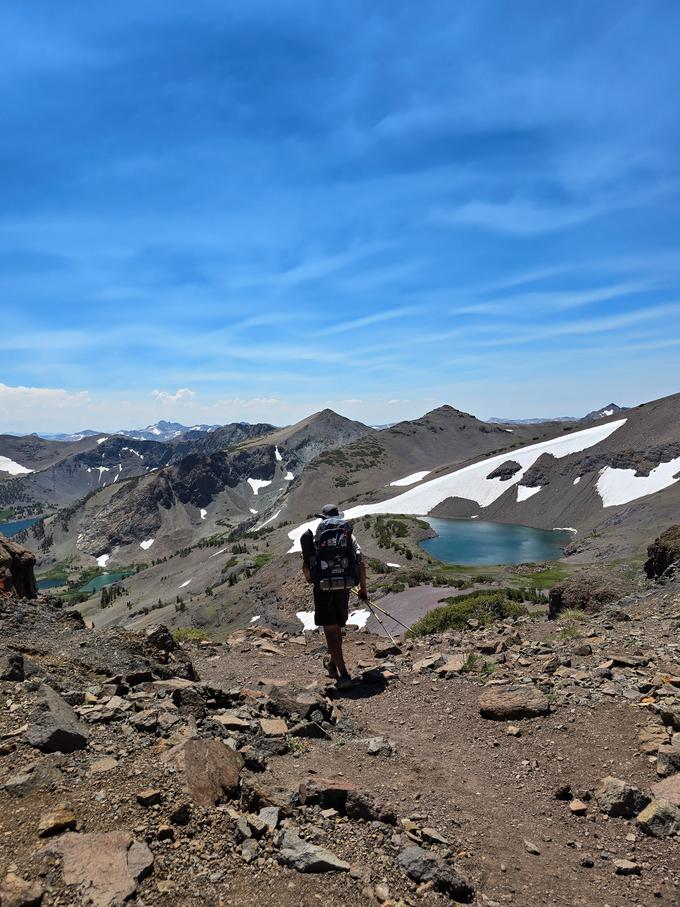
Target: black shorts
331,608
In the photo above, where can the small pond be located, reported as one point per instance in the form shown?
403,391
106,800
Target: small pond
10,529
105,579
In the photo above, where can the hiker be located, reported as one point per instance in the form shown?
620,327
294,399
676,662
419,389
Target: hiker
331,560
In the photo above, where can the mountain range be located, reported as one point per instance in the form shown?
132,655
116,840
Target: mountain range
157,507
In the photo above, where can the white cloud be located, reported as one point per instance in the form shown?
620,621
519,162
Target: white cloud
13,398
182,393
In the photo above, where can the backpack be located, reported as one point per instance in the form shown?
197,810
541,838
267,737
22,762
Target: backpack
335,564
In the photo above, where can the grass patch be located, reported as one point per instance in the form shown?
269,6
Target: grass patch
6,515
572,615
189,633
545,579
486,607
262,559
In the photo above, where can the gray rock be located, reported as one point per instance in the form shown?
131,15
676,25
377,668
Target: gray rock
660,819
11,666
616,798
381,746
54,726
423,866
306,857
668,760
270,816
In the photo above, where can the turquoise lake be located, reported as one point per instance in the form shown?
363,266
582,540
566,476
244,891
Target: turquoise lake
476,542
10,529
106,579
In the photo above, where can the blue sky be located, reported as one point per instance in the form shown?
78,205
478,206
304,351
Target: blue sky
218,211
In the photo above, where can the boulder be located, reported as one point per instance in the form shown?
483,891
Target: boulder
56,821
668,789
107,867
514,702
16,570
211,770
306,857
54,726
660,819
16,892
11,666
426,867
616,798
668,759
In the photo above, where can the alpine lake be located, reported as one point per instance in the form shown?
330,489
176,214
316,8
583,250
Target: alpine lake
475,542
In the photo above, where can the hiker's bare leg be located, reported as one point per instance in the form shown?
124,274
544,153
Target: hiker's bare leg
334,643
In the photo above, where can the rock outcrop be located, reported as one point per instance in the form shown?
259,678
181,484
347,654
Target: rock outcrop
16,570
664,551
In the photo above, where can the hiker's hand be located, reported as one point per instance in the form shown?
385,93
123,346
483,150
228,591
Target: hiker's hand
308,574
363,594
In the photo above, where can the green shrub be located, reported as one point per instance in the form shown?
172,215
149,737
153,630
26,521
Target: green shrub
486,607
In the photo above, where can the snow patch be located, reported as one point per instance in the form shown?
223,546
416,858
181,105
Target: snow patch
221,551
289,476
101,440
102,560
475,517
607,412
185,583
12,467
147,544
523,492
470,482
511,430
576,480
252,510
132,451
307,620
257,528
413,478
359,618
204,513
564,529
256,484
255,618
387,564
620,486
277,454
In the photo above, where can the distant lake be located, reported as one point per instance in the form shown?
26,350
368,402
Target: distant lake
476,542
10,529
106,579
50,583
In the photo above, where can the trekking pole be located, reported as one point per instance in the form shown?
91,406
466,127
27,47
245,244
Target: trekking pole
379,619
382,610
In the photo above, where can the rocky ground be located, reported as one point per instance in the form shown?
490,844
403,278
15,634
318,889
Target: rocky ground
535,762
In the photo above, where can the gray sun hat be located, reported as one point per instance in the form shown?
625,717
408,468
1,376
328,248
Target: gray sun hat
329,510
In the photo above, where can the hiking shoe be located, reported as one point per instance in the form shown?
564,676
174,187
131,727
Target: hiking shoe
330,668
344,682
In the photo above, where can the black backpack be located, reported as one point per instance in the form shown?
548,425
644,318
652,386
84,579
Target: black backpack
334,564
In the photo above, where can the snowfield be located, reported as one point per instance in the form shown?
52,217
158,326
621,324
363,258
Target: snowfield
620,486
277,455
14,469
412,479
204,513
576,480
523,492
470,482
146,544
102,559
256,484
289,476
